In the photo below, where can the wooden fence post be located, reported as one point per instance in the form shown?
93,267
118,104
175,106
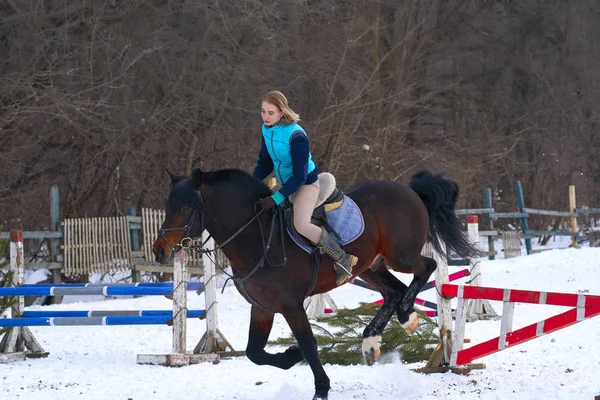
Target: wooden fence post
572,207
134,237
521,204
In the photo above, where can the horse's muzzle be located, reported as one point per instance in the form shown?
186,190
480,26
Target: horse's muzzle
160,255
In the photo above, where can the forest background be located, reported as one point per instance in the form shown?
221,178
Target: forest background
100,96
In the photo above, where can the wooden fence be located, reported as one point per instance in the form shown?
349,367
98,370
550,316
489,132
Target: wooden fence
107,244
151,222
93,245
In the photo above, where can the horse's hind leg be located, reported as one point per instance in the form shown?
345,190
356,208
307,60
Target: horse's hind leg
393,291
261,323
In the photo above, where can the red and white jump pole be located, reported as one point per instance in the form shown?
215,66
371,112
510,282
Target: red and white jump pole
429,285
317,306
584,306
473,301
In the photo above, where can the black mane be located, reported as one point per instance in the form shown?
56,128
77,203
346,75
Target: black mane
239,178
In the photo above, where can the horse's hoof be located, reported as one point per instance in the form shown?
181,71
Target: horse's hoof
410,326
371,349
321,395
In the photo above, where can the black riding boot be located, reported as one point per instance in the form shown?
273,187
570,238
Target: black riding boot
342,261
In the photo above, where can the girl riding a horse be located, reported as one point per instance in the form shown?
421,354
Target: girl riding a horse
285,150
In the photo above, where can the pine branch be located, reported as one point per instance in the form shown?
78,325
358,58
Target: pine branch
339,337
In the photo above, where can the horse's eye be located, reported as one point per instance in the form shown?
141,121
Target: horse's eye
185,209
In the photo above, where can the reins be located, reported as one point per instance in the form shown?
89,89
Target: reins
187,243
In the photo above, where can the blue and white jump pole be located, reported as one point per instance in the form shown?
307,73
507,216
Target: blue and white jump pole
212,343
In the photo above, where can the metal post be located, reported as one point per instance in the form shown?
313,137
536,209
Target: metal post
489,223
55,243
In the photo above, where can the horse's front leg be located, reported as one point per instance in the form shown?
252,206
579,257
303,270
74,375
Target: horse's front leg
300,326
397,297
371,346
261,323
405,308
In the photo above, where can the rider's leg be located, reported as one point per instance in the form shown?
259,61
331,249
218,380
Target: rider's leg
305,200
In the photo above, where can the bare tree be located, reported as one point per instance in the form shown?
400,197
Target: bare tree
101,97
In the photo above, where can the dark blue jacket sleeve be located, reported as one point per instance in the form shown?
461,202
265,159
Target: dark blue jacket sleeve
264,164
299,152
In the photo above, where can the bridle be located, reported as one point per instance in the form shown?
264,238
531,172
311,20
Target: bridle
187,242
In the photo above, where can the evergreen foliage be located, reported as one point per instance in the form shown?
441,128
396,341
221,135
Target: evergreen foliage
339,337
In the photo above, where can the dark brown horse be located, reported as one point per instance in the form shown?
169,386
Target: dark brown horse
399,219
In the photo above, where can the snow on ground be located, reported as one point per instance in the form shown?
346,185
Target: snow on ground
99,362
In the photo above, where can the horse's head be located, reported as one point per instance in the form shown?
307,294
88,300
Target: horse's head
184,218
227,195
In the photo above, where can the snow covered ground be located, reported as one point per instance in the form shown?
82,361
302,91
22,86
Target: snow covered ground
99,362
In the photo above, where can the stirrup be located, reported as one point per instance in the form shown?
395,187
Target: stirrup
344,274
342,278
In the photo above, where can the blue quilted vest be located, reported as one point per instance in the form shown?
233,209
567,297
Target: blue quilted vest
277,138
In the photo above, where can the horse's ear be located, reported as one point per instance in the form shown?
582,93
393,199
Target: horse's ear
197,177
171,175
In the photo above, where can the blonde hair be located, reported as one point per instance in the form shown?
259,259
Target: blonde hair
278,99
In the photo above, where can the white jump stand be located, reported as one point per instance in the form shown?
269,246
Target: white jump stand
213,344
14,342
477,308
315,305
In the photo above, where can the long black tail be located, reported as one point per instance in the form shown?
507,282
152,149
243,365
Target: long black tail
440,194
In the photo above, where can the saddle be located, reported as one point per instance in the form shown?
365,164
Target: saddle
334,211
330,198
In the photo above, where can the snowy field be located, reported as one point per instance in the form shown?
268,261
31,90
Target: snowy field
98,363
